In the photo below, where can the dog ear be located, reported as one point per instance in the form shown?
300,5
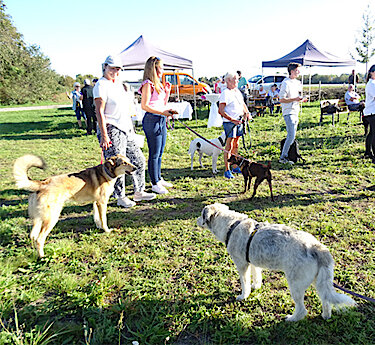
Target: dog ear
210,211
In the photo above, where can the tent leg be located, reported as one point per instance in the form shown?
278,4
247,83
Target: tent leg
195,101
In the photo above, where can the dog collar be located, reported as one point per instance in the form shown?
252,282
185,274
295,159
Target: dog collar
229,233
112,176
256,228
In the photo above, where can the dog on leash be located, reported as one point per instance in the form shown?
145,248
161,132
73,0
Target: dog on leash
94,184
253,169
203,147
253,246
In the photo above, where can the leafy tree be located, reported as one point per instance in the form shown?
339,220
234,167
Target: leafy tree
25,73
366,39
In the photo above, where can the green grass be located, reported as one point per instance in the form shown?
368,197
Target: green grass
158,278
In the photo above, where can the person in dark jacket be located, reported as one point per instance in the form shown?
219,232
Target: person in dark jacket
89,106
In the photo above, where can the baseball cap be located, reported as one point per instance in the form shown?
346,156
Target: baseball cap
87,81
113,61
76,84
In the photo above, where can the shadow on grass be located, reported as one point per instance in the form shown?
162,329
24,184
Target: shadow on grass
17,131
198,319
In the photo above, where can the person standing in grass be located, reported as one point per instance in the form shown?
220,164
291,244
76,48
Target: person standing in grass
290,96
233,110
154,100
369,113
116,132
76,96
89,107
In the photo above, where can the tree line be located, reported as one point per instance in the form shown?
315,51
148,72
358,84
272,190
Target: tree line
25,72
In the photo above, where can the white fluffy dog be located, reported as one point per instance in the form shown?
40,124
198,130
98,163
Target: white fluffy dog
203,147
253,246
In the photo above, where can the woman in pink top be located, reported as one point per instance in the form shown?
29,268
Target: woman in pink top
154,100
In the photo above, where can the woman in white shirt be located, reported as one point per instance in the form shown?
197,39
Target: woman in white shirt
116,132
369,114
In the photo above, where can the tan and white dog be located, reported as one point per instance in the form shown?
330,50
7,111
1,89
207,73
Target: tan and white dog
204,147
253,246
94,184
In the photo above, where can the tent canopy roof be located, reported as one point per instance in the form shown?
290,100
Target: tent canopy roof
308,55
135,56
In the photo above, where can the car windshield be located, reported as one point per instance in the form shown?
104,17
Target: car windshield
255,78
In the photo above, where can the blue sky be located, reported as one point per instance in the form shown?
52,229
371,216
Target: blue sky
219,36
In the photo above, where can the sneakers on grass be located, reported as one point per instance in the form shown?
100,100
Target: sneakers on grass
125,202
165,183
139,196
228,174
237,170
159,188
285,161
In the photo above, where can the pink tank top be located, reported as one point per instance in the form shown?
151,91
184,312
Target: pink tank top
157,99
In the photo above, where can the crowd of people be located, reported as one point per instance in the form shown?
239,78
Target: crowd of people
105,110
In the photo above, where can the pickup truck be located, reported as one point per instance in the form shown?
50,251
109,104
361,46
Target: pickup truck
185,84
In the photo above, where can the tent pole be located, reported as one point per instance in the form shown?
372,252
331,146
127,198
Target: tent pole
309,84
320,89
301,96
195,101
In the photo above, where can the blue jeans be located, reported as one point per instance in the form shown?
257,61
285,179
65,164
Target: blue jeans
155,128
232,131
291,122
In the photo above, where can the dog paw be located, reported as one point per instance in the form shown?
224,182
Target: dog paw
256,286
240,298
108,230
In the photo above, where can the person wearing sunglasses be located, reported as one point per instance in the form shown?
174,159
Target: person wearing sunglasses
116,133
154,100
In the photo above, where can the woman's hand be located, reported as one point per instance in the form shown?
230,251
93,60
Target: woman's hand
105,142
168,86
236,122
169,112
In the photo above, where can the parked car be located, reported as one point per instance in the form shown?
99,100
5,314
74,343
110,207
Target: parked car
266,81
186,84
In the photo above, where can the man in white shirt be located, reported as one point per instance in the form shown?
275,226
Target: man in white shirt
290,96
232,108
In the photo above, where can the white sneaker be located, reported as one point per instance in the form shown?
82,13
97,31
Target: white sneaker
166,184
125,202
139,196
159,188
285,161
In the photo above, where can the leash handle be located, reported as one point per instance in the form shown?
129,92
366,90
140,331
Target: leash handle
102,157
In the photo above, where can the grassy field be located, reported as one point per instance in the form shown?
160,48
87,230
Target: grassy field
158,278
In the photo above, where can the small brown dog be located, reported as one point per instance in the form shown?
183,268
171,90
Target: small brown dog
253,169
94,184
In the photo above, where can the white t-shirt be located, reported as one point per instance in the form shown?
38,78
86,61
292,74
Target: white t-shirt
222,87
117,104
233,100
290,88
370,98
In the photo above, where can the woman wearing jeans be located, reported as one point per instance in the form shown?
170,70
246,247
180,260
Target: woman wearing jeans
369,114
154,99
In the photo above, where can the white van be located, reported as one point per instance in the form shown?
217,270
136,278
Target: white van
267,81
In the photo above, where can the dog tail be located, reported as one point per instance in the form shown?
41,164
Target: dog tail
324,279
20,169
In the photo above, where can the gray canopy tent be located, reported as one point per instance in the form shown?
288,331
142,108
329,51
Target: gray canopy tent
308,55
135,56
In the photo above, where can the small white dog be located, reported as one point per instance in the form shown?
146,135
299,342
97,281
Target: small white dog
203,147
253,246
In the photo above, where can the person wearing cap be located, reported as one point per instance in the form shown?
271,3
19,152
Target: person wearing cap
89,106
154,100
76,96
116,133
369,114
